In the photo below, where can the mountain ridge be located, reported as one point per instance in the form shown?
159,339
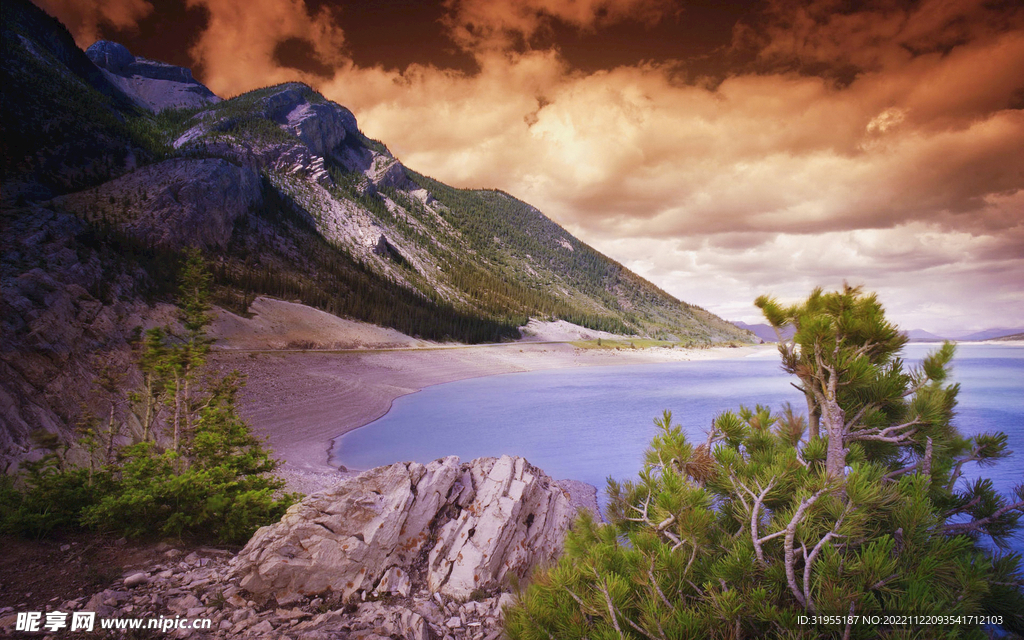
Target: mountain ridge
349,189
151,84
286,196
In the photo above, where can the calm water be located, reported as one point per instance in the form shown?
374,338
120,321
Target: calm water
591,423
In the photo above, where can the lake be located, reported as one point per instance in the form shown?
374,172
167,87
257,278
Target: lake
591,423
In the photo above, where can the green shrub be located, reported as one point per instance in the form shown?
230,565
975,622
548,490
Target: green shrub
213,503
51,500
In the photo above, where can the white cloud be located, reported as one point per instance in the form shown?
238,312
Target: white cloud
926,277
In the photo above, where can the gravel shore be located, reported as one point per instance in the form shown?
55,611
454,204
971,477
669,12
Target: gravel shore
300,399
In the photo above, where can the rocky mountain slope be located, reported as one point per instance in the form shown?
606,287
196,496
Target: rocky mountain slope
480,252
112,164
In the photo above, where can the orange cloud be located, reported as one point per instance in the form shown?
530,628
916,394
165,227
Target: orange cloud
880,35
498,24
237,48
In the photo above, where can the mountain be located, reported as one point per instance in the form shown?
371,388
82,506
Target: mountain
920,335
764,331
296,201
990,334
1014,337
110,171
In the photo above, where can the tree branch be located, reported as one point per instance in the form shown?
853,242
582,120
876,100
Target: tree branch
889,434
611,607
809,559
881,583
849,621
657,588
860,414
952,512
790,555
924,464
976,526
755,518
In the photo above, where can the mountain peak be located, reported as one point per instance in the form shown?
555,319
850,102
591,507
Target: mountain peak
111,56
152,85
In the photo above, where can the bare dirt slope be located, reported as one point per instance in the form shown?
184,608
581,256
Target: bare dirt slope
276,324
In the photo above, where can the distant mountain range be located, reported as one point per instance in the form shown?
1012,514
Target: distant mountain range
766,333
920,335
763,331
961,336
987,334
1014,337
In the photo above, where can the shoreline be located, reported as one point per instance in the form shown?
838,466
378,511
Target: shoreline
300,401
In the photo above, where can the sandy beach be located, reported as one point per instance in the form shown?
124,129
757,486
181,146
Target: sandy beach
301,399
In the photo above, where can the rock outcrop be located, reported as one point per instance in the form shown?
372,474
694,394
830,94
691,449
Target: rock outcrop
458,528
150,84
175,203
198,585
61,310
321,126
314,130
387,250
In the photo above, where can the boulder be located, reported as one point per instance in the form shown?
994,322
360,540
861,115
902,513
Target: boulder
458,527
344,539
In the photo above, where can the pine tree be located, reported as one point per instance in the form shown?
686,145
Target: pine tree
187,357
739,535
154,365
843,350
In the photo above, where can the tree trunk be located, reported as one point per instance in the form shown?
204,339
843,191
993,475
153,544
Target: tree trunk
110,435
188,407
835,421
813,417
146,420
177,410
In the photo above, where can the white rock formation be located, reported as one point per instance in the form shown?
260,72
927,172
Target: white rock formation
516,519
476,524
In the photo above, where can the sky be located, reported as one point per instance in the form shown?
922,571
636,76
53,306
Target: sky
721,150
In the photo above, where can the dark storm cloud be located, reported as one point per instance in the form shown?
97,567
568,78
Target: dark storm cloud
84,18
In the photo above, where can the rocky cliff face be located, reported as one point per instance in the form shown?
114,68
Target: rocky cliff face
62,312
176,203
150,84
